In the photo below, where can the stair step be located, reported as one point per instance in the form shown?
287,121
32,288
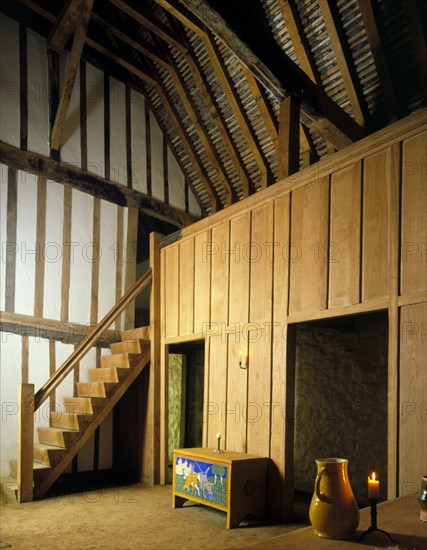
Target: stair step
108,374
39,471
129,346
48,455
141,333
77,422
96,389
8,489
13,468
84,405
58,437
120,360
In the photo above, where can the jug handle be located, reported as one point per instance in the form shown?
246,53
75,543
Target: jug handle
319,494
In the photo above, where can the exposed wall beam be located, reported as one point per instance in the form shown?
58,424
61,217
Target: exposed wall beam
253,43
335,30
92,184
64,25
73,65
289,138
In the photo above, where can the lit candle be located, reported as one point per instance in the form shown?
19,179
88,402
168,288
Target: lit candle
240,356
373,487
218,435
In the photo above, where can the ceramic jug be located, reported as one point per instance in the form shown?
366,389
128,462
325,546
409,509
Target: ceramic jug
333,510
422,499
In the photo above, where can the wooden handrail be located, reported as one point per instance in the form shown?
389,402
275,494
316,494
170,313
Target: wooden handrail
84,346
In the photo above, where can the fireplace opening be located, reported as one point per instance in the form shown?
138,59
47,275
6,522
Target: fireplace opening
341,401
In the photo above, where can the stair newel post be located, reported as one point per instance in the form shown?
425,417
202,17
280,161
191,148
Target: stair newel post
151,443
25,442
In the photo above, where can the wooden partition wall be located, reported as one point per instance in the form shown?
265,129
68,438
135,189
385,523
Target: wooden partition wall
344,236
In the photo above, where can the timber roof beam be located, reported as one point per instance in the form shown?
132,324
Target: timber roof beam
253,43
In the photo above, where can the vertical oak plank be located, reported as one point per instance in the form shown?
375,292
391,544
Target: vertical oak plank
202,280
258,408
414,218
393,324
375,275
237,388
413,397
220,275
261,264
279,498
171,291
215,407
239,258
344,244
186,286
119,260
308,250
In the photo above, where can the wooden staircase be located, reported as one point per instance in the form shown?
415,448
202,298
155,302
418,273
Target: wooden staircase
39,465
72,425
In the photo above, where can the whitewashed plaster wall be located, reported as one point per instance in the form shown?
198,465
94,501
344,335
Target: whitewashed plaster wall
82,208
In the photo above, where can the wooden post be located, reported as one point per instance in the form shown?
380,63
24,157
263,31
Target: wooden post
25,442
151,443
289,138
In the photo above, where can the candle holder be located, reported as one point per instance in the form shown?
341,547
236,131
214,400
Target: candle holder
218,449
373,527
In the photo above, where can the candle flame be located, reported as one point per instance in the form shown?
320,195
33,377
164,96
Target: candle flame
373,476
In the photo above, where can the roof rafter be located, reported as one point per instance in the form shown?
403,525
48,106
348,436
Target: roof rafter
299,41
413,18
221,125
335,30
138,12
194,115
369,10
217,61
253,44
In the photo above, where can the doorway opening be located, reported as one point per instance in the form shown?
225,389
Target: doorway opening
185,396
341,367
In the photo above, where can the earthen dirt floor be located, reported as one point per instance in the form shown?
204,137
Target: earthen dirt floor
133,517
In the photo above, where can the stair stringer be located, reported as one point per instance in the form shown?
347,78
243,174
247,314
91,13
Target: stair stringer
41,489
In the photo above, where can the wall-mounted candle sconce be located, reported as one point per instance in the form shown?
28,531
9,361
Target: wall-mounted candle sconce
243,360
